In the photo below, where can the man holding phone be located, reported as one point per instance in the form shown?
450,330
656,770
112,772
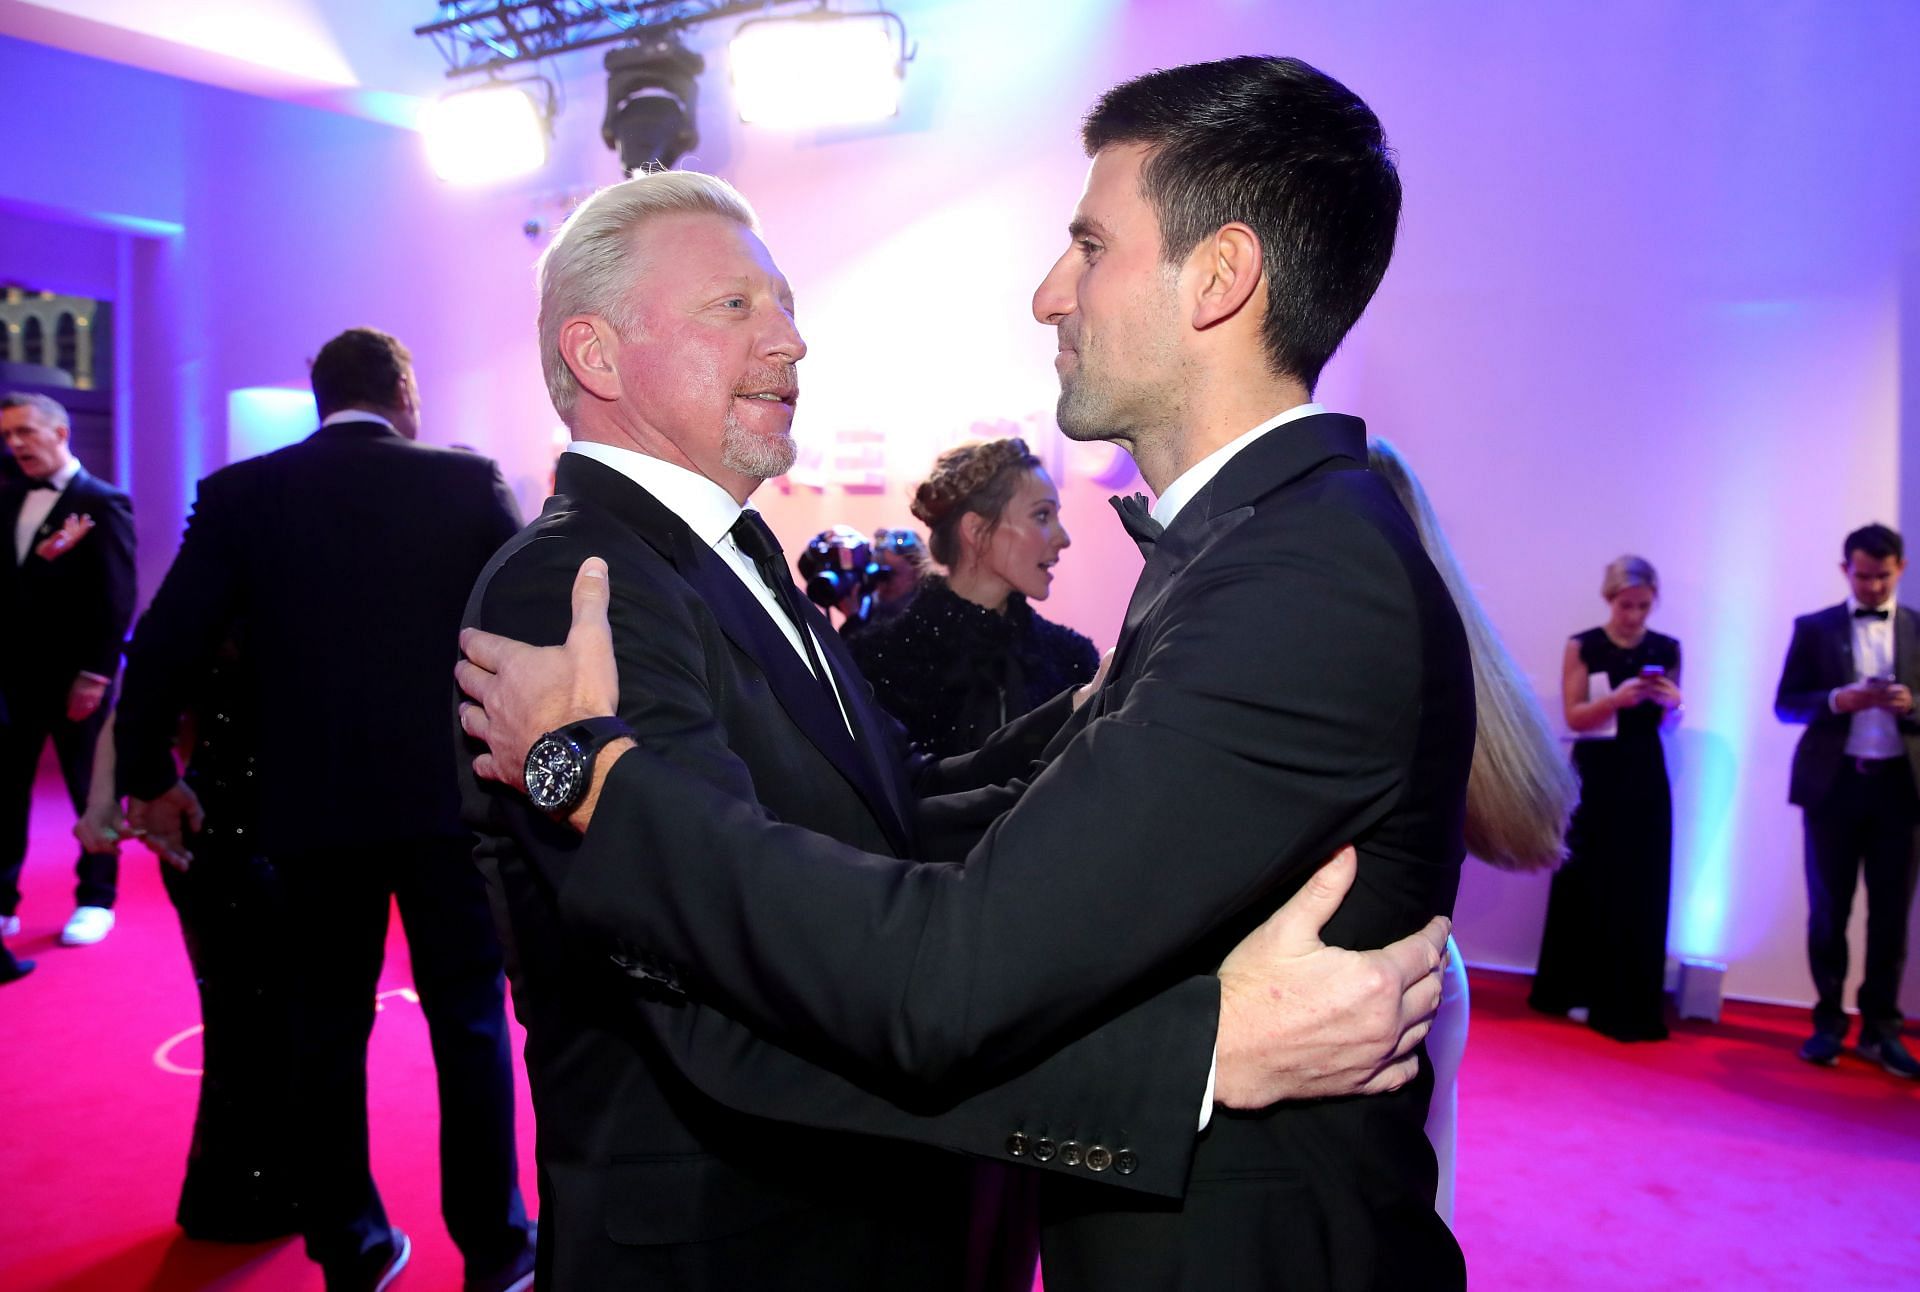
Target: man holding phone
1849,676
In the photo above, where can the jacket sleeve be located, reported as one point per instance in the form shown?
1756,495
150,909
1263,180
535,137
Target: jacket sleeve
1201,801
112,611
1802,694
194,608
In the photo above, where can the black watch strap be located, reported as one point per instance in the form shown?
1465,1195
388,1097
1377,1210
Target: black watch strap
593,735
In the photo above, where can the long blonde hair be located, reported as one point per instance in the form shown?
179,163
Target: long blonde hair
1520,791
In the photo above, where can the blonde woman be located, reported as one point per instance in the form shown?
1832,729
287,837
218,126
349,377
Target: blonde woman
1605,943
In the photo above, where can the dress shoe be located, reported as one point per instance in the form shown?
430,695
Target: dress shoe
514,1276
88,925
373,1270
1822,1048
1891,1055
12,970
9,926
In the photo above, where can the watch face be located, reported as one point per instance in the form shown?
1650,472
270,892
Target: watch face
553,773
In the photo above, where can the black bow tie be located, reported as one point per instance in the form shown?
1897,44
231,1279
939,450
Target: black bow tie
1141,526
33,484
1861,612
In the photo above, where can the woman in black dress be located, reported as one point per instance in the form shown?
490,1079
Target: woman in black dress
969,654
1605,943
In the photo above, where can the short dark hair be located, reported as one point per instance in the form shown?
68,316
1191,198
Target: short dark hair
360,368
1286,150
1874,540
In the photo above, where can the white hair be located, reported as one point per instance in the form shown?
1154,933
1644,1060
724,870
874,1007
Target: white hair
52,409
590,266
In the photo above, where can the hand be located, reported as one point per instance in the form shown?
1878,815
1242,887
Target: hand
101,827
84,697
1897,699
1629,693
1664,693
164,823
63,540
1858,695
1303,1020
521,692
1084,693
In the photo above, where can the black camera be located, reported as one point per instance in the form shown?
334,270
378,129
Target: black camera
846,570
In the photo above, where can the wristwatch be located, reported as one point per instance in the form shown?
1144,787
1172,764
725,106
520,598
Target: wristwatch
560,764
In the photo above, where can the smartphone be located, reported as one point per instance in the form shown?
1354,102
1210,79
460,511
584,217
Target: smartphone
1652,671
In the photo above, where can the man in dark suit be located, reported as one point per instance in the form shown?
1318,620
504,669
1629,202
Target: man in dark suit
1292,674
339,566
66,598
1850,676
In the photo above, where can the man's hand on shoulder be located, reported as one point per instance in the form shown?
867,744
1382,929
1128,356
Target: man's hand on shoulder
1303,1020
521,692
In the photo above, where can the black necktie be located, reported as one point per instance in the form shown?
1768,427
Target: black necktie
1141,526
33,484
1862,612
751,535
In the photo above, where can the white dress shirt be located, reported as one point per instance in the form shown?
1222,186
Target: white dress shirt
1195,478
38,506
357,415
1873,733
710,512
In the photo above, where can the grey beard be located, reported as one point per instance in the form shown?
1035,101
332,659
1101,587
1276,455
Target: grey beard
754,456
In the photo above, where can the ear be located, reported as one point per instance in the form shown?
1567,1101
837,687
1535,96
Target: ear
973,528
587,346
1231,269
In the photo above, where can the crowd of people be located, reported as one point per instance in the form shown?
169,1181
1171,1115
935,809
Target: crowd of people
1015,950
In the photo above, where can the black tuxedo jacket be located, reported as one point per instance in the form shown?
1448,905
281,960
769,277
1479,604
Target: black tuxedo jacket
644,1156
68,615
1292,676
342,563
1820,658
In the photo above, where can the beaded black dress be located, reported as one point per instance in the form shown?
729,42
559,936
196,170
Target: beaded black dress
239,1185
954,672
1605,941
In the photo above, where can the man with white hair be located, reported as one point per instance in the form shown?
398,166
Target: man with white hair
66,597
670,349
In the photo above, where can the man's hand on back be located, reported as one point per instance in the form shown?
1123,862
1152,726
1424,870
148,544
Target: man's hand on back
1303,1020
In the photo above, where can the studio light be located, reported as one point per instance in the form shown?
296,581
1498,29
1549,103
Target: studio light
652,94
492,132
819,69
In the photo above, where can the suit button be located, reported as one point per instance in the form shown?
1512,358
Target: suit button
1043,1149
1070,1154
1098,1159
1125,1163
1016,1145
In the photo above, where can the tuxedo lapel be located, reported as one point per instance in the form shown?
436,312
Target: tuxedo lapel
747,625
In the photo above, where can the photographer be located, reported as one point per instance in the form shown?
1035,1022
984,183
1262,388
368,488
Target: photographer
969,654
1605,944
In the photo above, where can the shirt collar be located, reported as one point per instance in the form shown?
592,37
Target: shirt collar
64,476
357,415
1196,477
708,510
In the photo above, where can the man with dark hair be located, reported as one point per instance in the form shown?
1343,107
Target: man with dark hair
1850,676
339,566
66,598
1292,674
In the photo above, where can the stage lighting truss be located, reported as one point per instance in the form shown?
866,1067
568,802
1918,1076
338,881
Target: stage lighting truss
487,35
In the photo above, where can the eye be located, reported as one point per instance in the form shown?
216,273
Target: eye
734,303
1088,247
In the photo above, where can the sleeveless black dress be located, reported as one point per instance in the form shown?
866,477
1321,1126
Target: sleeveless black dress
1605,942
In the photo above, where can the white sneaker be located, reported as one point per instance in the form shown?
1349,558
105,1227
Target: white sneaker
9,926
88,925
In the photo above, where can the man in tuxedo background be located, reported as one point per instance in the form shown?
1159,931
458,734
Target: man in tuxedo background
1292,674
1850,675
671,351
338,566
66,598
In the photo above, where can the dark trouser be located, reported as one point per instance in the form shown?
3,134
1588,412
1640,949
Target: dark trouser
338,902
1866,824
22,737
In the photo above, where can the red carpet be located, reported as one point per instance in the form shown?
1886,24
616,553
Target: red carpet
1714,1161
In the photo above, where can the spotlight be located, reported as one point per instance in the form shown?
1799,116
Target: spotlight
492,132
652,93
819,69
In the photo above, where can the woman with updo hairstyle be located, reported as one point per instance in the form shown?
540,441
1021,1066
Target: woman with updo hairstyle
969,654
1604,947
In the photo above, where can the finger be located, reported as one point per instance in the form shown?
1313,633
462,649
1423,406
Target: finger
488,650
473,721
1411,1038
473,680
590,594
483,767
196,817
1295,927
1393,1076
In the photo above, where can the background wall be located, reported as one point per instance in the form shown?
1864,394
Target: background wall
1657,291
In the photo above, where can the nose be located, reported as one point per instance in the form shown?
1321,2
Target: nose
1053,299
785,344
1065,540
